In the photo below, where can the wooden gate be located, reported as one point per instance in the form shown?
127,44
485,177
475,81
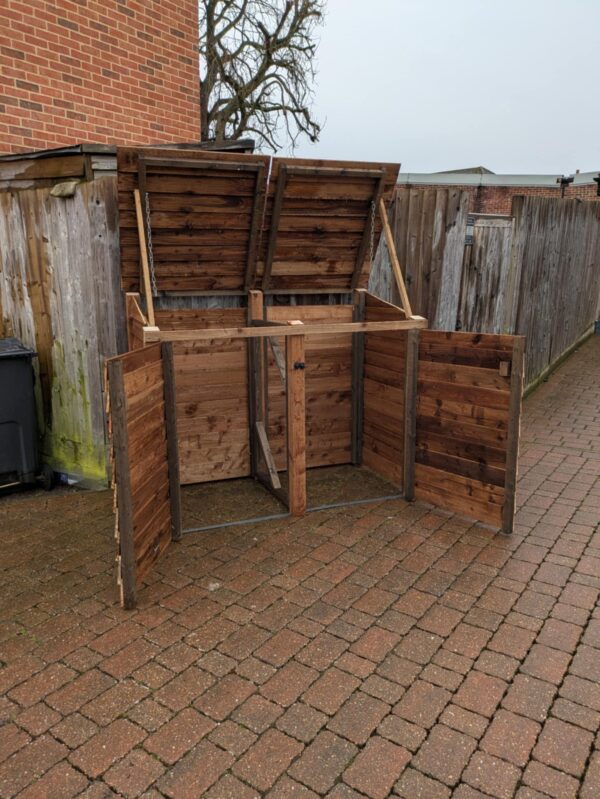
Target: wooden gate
467,423
145,461
484,294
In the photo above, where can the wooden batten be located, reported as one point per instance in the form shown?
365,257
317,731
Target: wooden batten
358,365
296,423
517,371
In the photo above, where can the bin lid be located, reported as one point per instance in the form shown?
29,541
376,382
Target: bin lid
13,348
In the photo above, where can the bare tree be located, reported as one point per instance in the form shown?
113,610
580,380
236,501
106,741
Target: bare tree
257,61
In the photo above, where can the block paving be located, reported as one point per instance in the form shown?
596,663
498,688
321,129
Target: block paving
379,650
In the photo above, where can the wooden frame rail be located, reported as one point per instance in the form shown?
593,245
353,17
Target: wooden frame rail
213,334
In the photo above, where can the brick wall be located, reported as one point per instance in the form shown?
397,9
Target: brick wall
498,199
101,71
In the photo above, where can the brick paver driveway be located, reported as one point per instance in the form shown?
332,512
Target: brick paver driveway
377,651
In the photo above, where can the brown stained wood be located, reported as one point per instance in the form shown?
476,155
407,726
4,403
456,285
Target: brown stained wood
267,455
475,470
462,504
172,440
278,357
124,507
358,372
368,237
514,427
296,424
54,168
404,299
135,321
312,330
255,313
144,266
384,396
410,413
255,225
463,418
274,227
144,432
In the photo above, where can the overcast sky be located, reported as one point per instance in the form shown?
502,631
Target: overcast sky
513,85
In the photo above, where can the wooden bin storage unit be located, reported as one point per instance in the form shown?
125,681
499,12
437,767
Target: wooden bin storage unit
257,386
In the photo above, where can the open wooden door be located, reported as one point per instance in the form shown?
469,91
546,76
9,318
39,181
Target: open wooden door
141,417
467,423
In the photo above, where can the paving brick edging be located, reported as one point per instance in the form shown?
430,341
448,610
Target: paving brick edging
374,651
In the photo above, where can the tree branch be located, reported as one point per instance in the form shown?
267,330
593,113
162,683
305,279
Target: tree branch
258,69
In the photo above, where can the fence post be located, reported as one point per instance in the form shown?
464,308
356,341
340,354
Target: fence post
410,413
296,424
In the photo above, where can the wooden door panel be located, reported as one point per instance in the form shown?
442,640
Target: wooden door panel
145,461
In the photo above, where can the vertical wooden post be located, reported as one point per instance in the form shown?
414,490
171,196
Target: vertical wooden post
255,388
166,350
389,240
145,269
514,427
410,413
296,423
358,359
122,478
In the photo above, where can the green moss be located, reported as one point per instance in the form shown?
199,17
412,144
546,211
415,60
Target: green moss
68,443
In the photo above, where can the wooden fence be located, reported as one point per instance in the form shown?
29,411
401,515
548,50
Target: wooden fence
60,294
536,273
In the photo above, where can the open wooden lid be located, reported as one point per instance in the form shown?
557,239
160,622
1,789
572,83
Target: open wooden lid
226,222
321,223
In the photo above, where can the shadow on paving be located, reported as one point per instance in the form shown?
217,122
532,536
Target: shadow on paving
370,651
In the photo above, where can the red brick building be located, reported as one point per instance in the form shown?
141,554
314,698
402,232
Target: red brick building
492,194
102,71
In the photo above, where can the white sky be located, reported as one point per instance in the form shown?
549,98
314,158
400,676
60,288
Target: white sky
513,85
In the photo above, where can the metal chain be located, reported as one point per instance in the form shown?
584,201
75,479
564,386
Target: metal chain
150,251
372,242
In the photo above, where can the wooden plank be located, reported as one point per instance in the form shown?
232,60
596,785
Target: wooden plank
267,455
274,229
172,440
279,358
310,330
368,236
255,391
120,443
410,413
358,369
514,427
145,276
405,302
53,168
296,423
255,225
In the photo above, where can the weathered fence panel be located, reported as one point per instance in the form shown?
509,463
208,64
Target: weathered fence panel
60,294
535,274
429,232
559,270
485,278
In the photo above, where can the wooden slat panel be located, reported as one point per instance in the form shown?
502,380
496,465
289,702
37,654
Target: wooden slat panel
145,468
464,430
384,387
202,207
328,387
211,386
